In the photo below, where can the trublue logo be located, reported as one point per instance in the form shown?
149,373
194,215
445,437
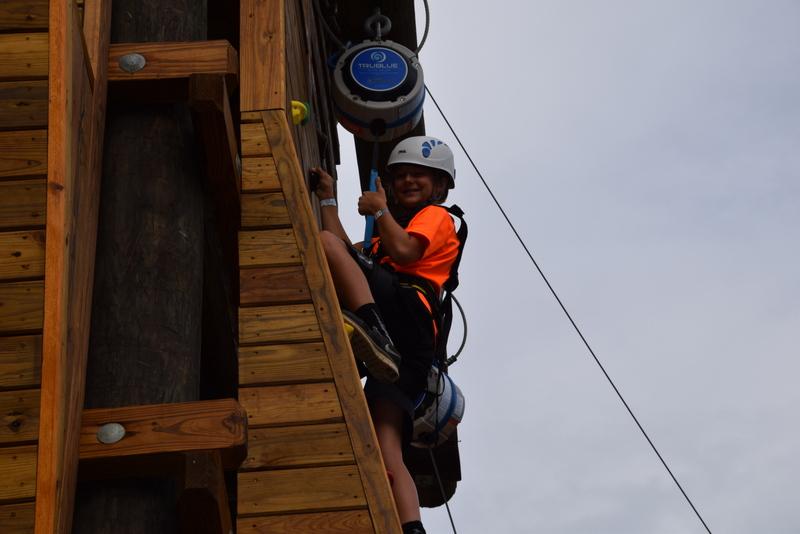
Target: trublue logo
378,69
427,147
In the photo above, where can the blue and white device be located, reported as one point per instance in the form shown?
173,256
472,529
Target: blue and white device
378,90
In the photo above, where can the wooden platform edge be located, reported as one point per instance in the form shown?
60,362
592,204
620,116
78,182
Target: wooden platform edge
74,162
356,413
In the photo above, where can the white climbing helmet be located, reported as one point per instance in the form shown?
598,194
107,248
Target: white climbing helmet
425,151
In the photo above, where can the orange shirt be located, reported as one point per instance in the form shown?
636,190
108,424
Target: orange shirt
435,229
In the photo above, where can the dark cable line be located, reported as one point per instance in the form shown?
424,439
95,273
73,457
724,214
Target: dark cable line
564,309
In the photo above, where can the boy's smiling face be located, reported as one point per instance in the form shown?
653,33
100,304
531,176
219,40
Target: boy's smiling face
413,185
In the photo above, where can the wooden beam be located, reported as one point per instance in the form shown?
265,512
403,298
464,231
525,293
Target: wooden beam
76,124
168,428
203,503
211,111
23,15
23,153
347,522
308,490
23,105
262,43
21,254
23,56
20,361
175,60
354,407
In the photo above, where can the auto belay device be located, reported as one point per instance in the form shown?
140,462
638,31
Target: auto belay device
438,411
378,90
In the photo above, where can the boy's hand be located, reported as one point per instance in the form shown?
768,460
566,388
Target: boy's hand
372,201
325,187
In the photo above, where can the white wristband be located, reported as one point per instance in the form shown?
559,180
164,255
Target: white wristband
379,213
327,202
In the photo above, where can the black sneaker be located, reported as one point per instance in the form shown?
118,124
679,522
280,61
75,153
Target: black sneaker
373,346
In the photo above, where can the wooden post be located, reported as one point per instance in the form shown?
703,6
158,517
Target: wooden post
145,339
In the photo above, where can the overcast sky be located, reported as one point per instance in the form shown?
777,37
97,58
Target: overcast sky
649,153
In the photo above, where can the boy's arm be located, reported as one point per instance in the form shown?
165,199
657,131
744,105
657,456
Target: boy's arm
403,247
329,211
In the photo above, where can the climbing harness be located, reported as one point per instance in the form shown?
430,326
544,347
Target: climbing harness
440,408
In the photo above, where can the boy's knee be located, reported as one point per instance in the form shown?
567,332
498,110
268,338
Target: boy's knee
328,239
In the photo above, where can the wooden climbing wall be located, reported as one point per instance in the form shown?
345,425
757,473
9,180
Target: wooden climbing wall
313,463
23,176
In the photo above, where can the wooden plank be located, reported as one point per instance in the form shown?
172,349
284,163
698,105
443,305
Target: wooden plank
354,406
259,175
254,140
299,446
23,56
23,15
165,428
19,413
268,247
276,324
280,364
23,105
346,522
18,465
20,361
21,306
262,41
21,254
76,122
273,285
294,404
293,490
16,518
23,153
174,60
264,210
22,204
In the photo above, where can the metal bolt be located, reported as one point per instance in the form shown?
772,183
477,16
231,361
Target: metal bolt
110,433
132,62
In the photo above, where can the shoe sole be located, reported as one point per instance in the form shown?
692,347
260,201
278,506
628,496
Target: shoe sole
379,364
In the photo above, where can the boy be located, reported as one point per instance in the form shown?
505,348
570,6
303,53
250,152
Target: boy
389,289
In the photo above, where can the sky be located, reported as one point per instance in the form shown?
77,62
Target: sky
649,154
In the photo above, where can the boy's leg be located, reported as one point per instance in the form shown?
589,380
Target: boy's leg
371,342
388,420
348,278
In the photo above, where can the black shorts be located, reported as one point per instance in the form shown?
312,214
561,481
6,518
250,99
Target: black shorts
411,326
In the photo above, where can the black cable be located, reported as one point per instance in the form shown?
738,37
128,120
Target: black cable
427,27
452,359
440,387
331,34
564,309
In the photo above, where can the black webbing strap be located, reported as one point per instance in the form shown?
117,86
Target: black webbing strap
445,308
